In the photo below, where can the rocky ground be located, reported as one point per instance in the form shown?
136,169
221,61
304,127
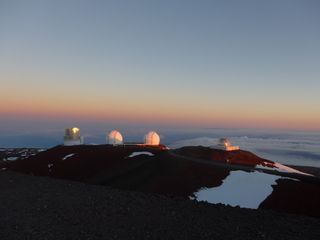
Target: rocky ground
154,170
13,154
45,208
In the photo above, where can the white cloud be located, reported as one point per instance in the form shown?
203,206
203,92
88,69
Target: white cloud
286,150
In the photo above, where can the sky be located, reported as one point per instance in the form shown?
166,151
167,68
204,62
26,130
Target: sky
230,64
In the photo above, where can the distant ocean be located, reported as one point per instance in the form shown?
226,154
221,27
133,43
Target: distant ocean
288,147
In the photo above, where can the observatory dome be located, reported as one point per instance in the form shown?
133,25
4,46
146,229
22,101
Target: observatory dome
115,138
152,138
225,144
72,137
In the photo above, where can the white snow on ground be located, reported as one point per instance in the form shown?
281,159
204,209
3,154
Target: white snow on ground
282,168
11,158
289,169
140,153
68,156
240,188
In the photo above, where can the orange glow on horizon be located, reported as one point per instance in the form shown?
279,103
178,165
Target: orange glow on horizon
167,118
178,113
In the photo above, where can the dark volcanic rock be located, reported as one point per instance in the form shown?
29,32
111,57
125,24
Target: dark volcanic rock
111,165
294,197
180,173
43,208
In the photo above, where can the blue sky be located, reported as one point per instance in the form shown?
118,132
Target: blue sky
203,63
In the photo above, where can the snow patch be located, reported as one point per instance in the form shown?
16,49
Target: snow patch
68,156
11,158
140,153
281,168
289,169
240,188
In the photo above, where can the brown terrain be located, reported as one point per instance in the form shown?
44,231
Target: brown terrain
34,207
239,157
44,208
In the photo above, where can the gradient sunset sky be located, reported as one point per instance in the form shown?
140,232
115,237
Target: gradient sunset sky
177,63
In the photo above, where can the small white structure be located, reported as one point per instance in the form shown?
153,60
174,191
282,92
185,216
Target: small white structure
115,138
152,138
72,137
225,144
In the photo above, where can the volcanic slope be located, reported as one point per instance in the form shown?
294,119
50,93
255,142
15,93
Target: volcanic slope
142,168
156,170
43,208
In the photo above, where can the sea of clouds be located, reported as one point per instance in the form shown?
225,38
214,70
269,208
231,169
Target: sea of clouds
296,148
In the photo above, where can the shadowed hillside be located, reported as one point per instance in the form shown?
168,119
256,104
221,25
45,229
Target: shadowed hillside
183,172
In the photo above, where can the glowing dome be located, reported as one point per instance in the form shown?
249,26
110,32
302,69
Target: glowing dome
152,138
72,137
115,138
225,144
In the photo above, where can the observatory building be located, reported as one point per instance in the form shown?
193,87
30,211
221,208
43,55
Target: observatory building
72,137
225,144
115,138
152,138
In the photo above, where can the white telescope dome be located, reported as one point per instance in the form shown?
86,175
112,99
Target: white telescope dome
115,138
152,138
72,137
225,142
